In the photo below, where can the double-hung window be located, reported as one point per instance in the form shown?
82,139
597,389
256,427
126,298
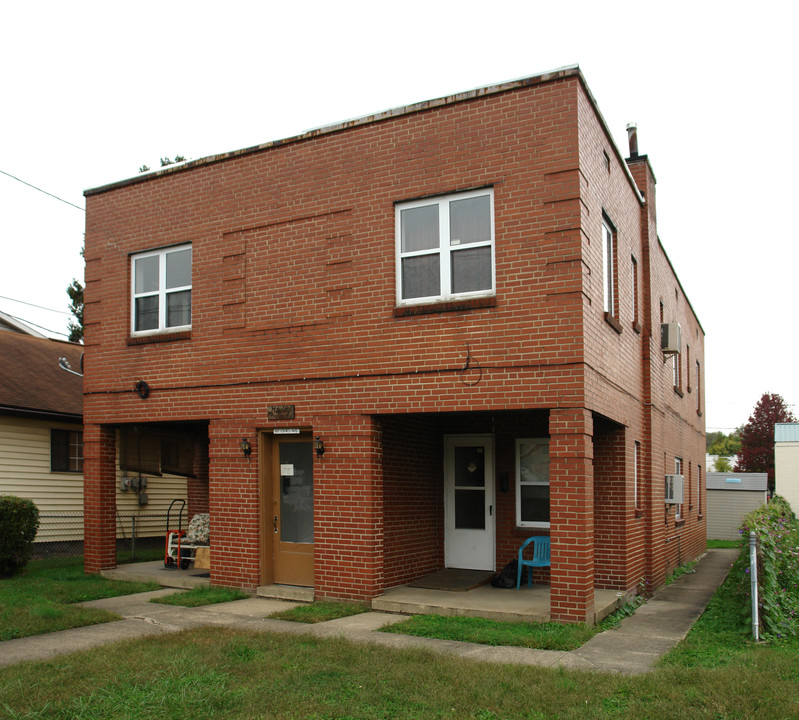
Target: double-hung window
66,451
532,482
161,284
445,247
608,267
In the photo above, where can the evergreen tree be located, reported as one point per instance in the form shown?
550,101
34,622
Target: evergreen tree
757,436
75,292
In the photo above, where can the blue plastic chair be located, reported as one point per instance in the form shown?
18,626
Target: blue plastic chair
540,558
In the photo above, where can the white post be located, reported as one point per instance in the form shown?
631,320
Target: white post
753,581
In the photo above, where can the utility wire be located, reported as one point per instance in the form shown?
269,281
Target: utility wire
42,191
41,307
41,327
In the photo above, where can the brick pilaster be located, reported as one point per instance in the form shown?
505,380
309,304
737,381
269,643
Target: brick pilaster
99,498
348,508
572,515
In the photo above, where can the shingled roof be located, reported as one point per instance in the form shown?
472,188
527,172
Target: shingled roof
31,382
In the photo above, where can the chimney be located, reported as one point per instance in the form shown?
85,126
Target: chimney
632,139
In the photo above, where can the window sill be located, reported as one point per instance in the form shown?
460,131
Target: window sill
445,306
159,337
613,322
637,327
679,523
639,513
678,391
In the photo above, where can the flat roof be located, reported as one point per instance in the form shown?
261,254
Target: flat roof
550,76
786,432
737,481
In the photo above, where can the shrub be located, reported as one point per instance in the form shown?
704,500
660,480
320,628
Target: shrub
777,533
19,521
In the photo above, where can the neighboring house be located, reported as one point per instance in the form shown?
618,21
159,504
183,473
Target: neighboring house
730,496
786,462
10,323
41,433
41,440
404,343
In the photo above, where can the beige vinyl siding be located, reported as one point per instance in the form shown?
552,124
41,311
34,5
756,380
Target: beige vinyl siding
726,509
25,466
25,472
786,468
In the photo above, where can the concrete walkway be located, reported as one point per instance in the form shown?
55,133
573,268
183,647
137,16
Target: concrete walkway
631,648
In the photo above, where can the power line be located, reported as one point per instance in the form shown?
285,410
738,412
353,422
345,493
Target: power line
40,307
43,191
41,327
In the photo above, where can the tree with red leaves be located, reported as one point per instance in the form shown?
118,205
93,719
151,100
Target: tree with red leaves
757,436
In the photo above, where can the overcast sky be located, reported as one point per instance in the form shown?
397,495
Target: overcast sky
93,90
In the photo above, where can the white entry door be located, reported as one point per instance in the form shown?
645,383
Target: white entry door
469,502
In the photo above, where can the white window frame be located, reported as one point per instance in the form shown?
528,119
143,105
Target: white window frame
520,442
678,472
608,267
636,462
445,249
161,292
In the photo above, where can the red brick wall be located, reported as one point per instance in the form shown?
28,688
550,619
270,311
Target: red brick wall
413,491
293,302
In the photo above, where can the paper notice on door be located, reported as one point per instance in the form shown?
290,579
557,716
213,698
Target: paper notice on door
286,470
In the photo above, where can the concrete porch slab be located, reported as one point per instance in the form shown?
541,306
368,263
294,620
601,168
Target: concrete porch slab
523,605
155,571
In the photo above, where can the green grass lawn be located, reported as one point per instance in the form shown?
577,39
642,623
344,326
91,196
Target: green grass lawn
40,600
201,596
715,674
544,636
320,611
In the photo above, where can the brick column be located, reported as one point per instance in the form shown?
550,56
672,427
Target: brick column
571,476
99,498
233,505
348,508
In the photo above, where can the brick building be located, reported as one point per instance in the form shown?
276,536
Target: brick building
403,343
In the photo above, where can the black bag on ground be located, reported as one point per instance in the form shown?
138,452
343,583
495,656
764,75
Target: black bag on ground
507,578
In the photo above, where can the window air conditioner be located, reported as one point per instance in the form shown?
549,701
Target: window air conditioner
674,489
670,337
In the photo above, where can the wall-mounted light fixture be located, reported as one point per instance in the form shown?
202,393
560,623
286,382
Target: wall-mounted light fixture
245,446
319,446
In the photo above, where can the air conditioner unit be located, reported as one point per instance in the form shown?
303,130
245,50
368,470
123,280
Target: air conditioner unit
670,337
674,489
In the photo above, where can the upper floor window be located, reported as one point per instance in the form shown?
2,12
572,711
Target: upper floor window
161,297
66,451
445,247
609,267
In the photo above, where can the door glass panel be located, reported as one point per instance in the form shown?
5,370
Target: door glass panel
296,492
470,511
470,466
